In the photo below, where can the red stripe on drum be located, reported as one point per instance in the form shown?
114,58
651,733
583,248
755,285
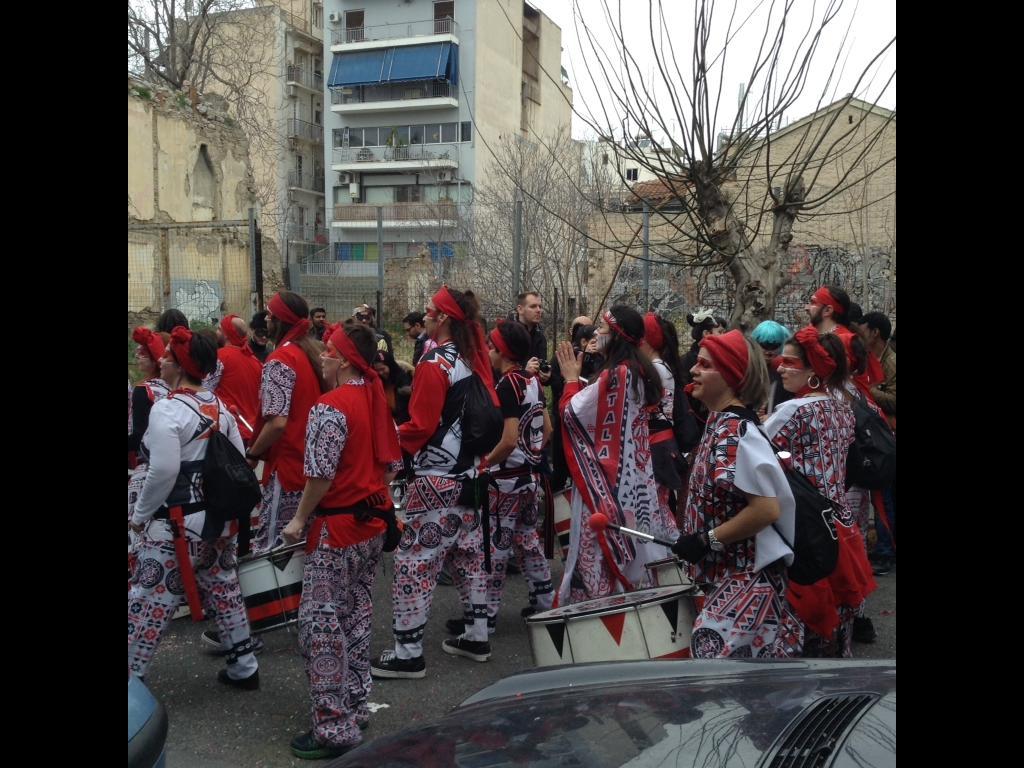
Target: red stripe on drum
682,653
614,625
274,608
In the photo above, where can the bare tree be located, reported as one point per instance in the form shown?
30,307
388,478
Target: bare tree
560,193
215,47
741,188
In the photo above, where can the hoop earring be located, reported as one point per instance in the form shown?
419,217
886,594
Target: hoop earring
815,378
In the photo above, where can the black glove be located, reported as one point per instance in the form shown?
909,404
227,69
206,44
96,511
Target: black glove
692,547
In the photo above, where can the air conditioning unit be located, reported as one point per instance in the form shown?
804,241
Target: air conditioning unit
335,18
445,176
292,91
353,190
346,177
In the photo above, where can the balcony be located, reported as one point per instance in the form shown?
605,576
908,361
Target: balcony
313,81
300,129
417,157
299,233
309,182
397,216
386,35
364,99
305,26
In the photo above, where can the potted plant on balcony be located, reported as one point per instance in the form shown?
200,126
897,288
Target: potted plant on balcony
398,148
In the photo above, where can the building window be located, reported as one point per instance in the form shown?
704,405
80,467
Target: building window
410,194
444,14
449,132
632,174
415,134
353,26
337,137
467,131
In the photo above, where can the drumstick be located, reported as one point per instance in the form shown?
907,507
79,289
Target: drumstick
599,521
237,415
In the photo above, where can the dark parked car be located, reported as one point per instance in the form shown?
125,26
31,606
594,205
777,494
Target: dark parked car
827,712
147,727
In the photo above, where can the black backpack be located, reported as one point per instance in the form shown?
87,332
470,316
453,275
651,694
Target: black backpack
871,462
481,420
816,541
230,488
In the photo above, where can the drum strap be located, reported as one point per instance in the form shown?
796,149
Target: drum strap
188,575
549,519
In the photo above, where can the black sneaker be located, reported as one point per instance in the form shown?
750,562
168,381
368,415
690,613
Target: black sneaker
250,683
471,649
211,639
511,569
306,747
863,630
458,626
444,580
389,665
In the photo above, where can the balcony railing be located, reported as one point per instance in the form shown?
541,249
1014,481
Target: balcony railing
304,25
395,31
313,80
425,212
396,154
298,233
306,180
367,94
300,129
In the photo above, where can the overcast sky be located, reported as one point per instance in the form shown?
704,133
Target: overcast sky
867,27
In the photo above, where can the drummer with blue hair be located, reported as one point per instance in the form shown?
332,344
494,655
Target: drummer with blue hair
770,336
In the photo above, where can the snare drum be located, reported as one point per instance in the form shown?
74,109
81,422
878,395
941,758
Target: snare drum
648,624
563,519
668,572
272,586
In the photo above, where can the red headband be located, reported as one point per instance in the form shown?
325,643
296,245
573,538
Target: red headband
480,363
300,325
730,355
826,299
652,332
614,325
181,343
382,424
151,342
500,344
445,302
230,332
821,361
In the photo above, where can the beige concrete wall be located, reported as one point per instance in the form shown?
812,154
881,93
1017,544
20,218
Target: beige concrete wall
554,112
172,147
499,68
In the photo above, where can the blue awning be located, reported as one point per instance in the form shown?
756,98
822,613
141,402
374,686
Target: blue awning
435,61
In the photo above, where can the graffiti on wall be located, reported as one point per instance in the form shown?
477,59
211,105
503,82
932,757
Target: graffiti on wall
868,277
198,299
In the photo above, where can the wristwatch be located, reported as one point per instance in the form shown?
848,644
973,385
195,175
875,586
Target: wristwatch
714,543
